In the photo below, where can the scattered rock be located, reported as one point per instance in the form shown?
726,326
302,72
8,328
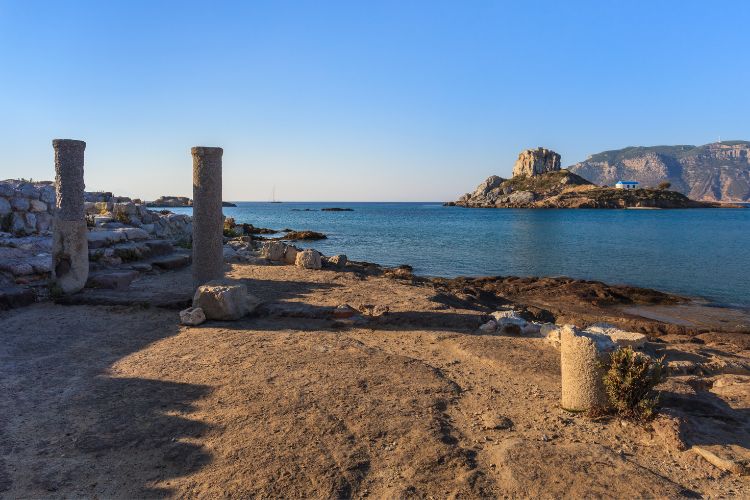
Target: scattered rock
344,311
112,280
223,300
733,466
304,235
290,254
192,316
670,431
13,296
273,250
308,259
172,262
337,260
489,327
495,421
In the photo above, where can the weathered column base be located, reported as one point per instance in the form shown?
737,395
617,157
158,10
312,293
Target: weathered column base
582,358
70,255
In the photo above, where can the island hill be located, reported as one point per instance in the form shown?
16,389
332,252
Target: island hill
539,182
178,201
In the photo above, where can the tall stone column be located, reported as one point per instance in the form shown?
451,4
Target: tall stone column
208,220
70,251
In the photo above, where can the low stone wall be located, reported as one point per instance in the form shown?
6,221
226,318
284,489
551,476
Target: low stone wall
26,208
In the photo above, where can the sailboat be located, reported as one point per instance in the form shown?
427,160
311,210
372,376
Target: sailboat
273,196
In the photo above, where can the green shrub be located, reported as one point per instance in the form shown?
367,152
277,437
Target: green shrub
630,380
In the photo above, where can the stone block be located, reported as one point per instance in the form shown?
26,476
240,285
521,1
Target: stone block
308,259
20,204
273,250
192,316
290,254
113,280
98,239
5,207
224,300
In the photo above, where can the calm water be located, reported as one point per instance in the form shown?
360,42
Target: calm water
703,253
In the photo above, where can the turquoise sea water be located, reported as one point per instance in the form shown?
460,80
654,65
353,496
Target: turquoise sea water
702,253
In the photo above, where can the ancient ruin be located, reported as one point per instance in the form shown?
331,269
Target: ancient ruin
70,257
208,222
581,361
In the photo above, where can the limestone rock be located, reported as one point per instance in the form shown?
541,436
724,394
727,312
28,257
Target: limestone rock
223,300
488,327
273,250
337,260
113,280
521,197
192,316
491,183
290,254
619,337
309,259
37,206
98,239
20,204
535,162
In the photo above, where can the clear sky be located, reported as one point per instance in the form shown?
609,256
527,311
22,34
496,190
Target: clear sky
381,100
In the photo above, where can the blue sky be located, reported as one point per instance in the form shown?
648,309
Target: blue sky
391,101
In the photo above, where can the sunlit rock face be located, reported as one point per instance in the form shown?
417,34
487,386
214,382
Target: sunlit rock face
536,162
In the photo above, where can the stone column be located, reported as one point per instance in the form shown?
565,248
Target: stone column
70,250
582,358
208,220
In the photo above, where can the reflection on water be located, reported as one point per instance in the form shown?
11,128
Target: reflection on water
695,252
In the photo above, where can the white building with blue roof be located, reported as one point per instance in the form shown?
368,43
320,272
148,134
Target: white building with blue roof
627,185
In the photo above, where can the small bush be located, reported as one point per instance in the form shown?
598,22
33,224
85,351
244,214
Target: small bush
630,380
664,185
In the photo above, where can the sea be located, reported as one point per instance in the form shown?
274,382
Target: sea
702,253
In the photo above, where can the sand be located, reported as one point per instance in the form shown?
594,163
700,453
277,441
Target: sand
122,401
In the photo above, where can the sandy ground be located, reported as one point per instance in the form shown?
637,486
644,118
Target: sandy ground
119,401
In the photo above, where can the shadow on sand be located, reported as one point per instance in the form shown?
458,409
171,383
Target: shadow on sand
70,427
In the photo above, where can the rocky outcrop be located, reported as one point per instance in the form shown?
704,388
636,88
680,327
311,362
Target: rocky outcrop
713,172
536,162
171,202
564,189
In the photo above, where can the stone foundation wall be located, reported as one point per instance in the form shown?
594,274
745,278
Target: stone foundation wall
26,208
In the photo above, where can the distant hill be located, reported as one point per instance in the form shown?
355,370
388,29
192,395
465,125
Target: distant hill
713,172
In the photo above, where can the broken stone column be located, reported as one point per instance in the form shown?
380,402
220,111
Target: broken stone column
582,358
70,251
208,220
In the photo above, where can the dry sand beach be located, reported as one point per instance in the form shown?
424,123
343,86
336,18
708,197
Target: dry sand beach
399,397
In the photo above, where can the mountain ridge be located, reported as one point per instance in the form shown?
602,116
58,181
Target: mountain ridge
718,171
